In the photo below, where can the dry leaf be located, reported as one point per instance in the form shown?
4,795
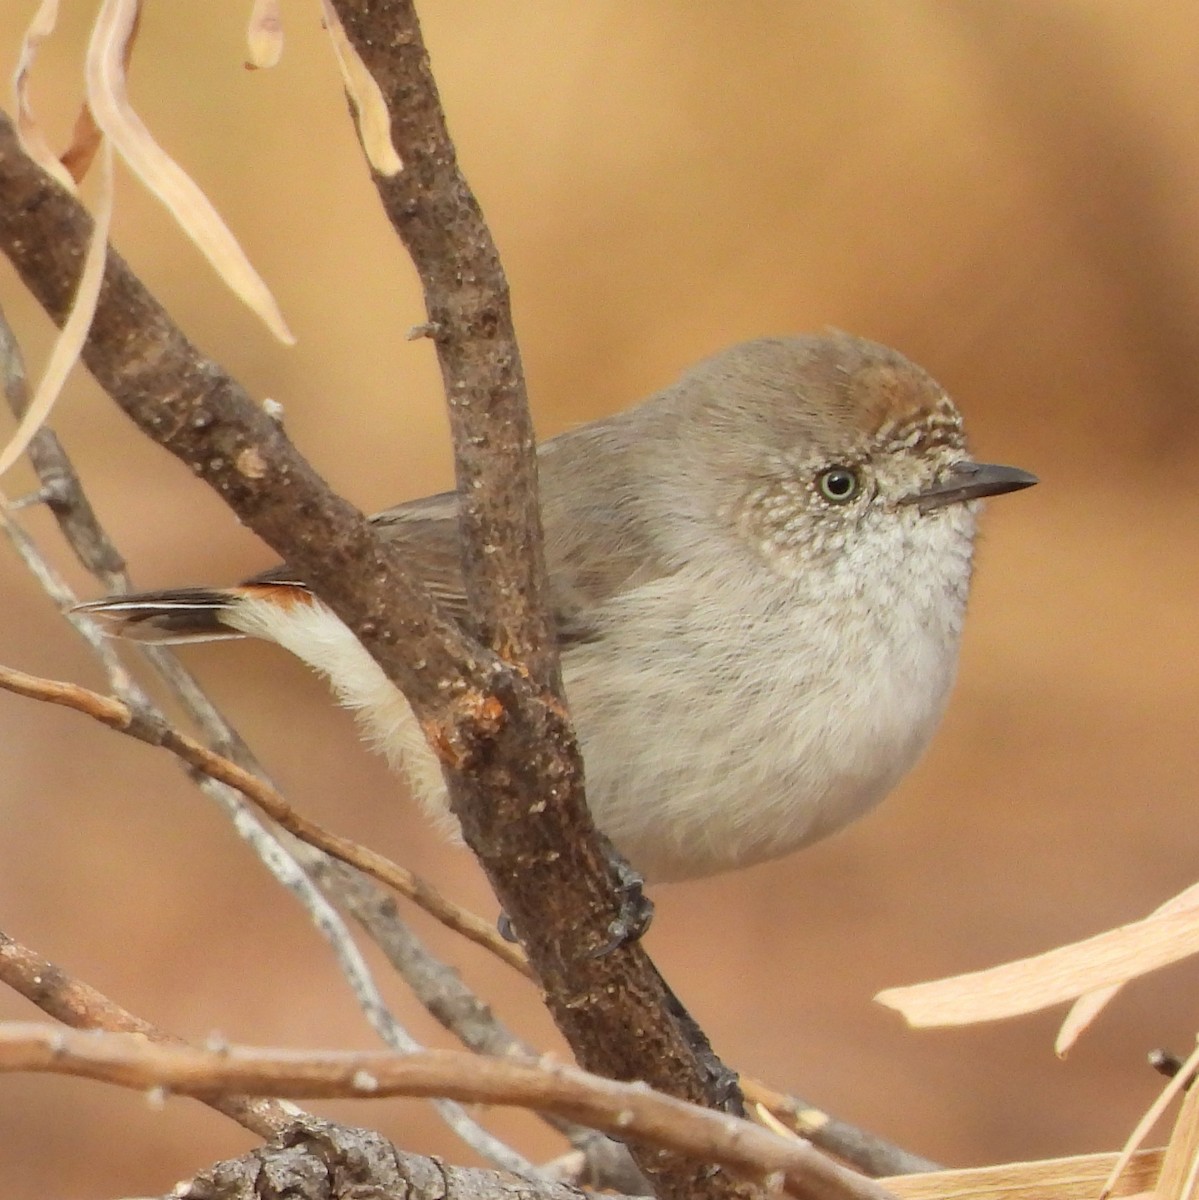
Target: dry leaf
1152,1116
1078,1178
33,141
189,206
264,36
85,141
1165,936
1087,1008
69,343
374,121
1176,1180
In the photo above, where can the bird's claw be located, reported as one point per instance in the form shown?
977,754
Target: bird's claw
636,908
635,913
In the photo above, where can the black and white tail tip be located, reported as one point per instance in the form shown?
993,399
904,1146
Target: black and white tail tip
184,614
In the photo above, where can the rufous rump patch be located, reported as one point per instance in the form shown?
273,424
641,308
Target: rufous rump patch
285,595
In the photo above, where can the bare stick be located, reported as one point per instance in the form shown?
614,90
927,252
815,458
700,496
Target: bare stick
865,1150
506,746
62,489
627,1110
155,731
79,1005
438,987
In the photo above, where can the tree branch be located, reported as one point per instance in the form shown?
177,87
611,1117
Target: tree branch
434,212
78,1004
154,731
621,1109
315,1160
542,858
511,764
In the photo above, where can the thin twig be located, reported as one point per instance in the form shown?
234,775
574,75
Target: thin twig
865,1150
63,491
603,1162
60,489
155,731
627,1110
437,986
78,1004
214,781
358,974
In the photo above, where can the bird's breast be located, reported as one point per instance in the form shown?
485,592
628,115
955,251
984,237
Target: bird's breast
719,734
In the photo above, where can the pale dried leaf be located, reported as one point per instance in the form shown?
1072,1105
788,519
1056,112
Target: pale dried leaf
768,1120
189,206
1146,1123
69,343
86,136
1177,1178
1057,975
85,141
1082,1012
33,140
1087,1008
1078,1178
1187,1190
264,36
374,121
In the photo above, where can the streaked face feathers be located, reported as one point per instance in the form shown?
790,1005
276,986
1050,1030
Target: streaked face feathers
811,438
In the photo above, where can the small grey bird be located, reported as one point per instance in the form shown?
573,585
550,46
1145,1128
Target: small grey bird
759,578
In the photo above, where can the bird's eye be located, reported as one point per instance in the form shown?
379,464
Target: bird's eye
839,485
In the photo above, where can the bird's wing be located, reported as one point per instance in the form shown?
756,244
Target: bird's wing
600,554
427,530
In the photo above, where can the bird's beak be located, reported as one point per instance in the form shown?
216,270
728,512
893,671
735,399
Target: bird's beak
970,481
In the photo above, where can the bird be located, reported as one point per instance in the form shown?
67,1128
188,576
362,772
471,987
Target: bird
758,579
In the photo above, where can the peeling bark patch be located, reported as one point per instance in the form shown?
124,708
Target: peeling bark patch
473,716
250,463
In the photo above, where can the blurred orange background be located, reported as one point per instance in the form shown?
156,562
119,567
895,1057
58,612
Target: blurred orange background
1006,191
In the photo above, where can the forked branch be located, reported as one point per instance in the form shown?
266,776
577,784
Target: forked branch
493,707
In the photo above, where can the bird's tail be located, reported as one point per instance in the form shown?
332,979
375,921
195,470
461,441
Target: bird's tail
194,614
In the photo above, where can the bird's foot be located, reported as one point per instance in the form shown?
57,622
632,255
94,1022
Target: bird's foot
724,1083
636,908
